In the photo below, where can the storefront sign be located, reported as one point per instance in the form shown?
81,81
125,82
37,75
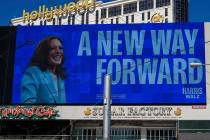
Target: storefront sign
134,112
69,9
28,112
96,113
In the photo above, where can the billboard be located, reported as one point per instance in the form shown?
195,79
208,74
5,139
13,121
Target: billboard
149,64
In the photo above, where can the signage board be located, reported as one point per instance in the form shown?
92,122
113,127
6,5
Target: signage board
96,113
68,9
149,64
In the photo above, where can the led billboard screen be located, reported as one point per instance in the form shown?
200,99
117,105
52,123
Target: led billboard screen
149,64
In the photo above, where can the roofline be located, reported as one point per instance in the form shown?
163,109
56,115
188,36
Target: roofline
117,1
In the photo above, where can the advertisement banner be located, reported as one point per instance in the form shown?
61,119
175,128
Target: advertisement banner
96,112
149,64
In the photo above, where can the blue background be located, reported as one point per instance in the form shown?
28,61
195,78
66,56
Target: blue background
81,85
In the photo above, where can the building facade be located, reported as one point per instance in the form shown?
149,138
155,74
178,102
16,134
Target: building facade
114,12
121,12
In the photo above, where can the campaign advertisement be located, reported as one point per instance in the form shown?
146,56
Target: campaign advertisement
150,64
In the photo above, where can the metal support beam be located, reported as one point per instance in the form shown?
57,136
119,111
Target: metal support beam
107,108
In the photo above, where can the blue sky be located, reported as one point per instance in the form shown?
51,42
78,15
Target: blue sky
198,9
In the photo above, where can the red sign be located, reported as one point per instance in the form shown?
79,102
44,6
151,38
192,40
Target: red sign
199,107
28,112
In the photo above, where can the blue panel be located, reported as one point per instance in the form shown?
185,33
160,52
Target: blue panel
149,63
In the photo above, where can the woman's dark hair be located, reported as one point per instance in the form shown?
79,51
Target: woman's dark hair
40,57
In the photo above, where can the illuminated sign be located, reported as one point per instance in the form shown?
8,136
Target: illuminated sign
131,112
157,18
28,112
149,63
96,112
69,9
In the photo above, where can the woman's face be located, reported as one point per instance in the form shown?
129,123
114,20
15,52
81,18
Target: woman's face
55,55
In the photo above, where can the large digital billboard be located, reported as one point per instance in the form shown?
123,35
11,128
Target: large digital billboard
149,64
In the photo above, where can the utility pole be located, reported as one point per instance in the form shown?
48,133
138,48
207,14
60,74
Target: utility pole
107,107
